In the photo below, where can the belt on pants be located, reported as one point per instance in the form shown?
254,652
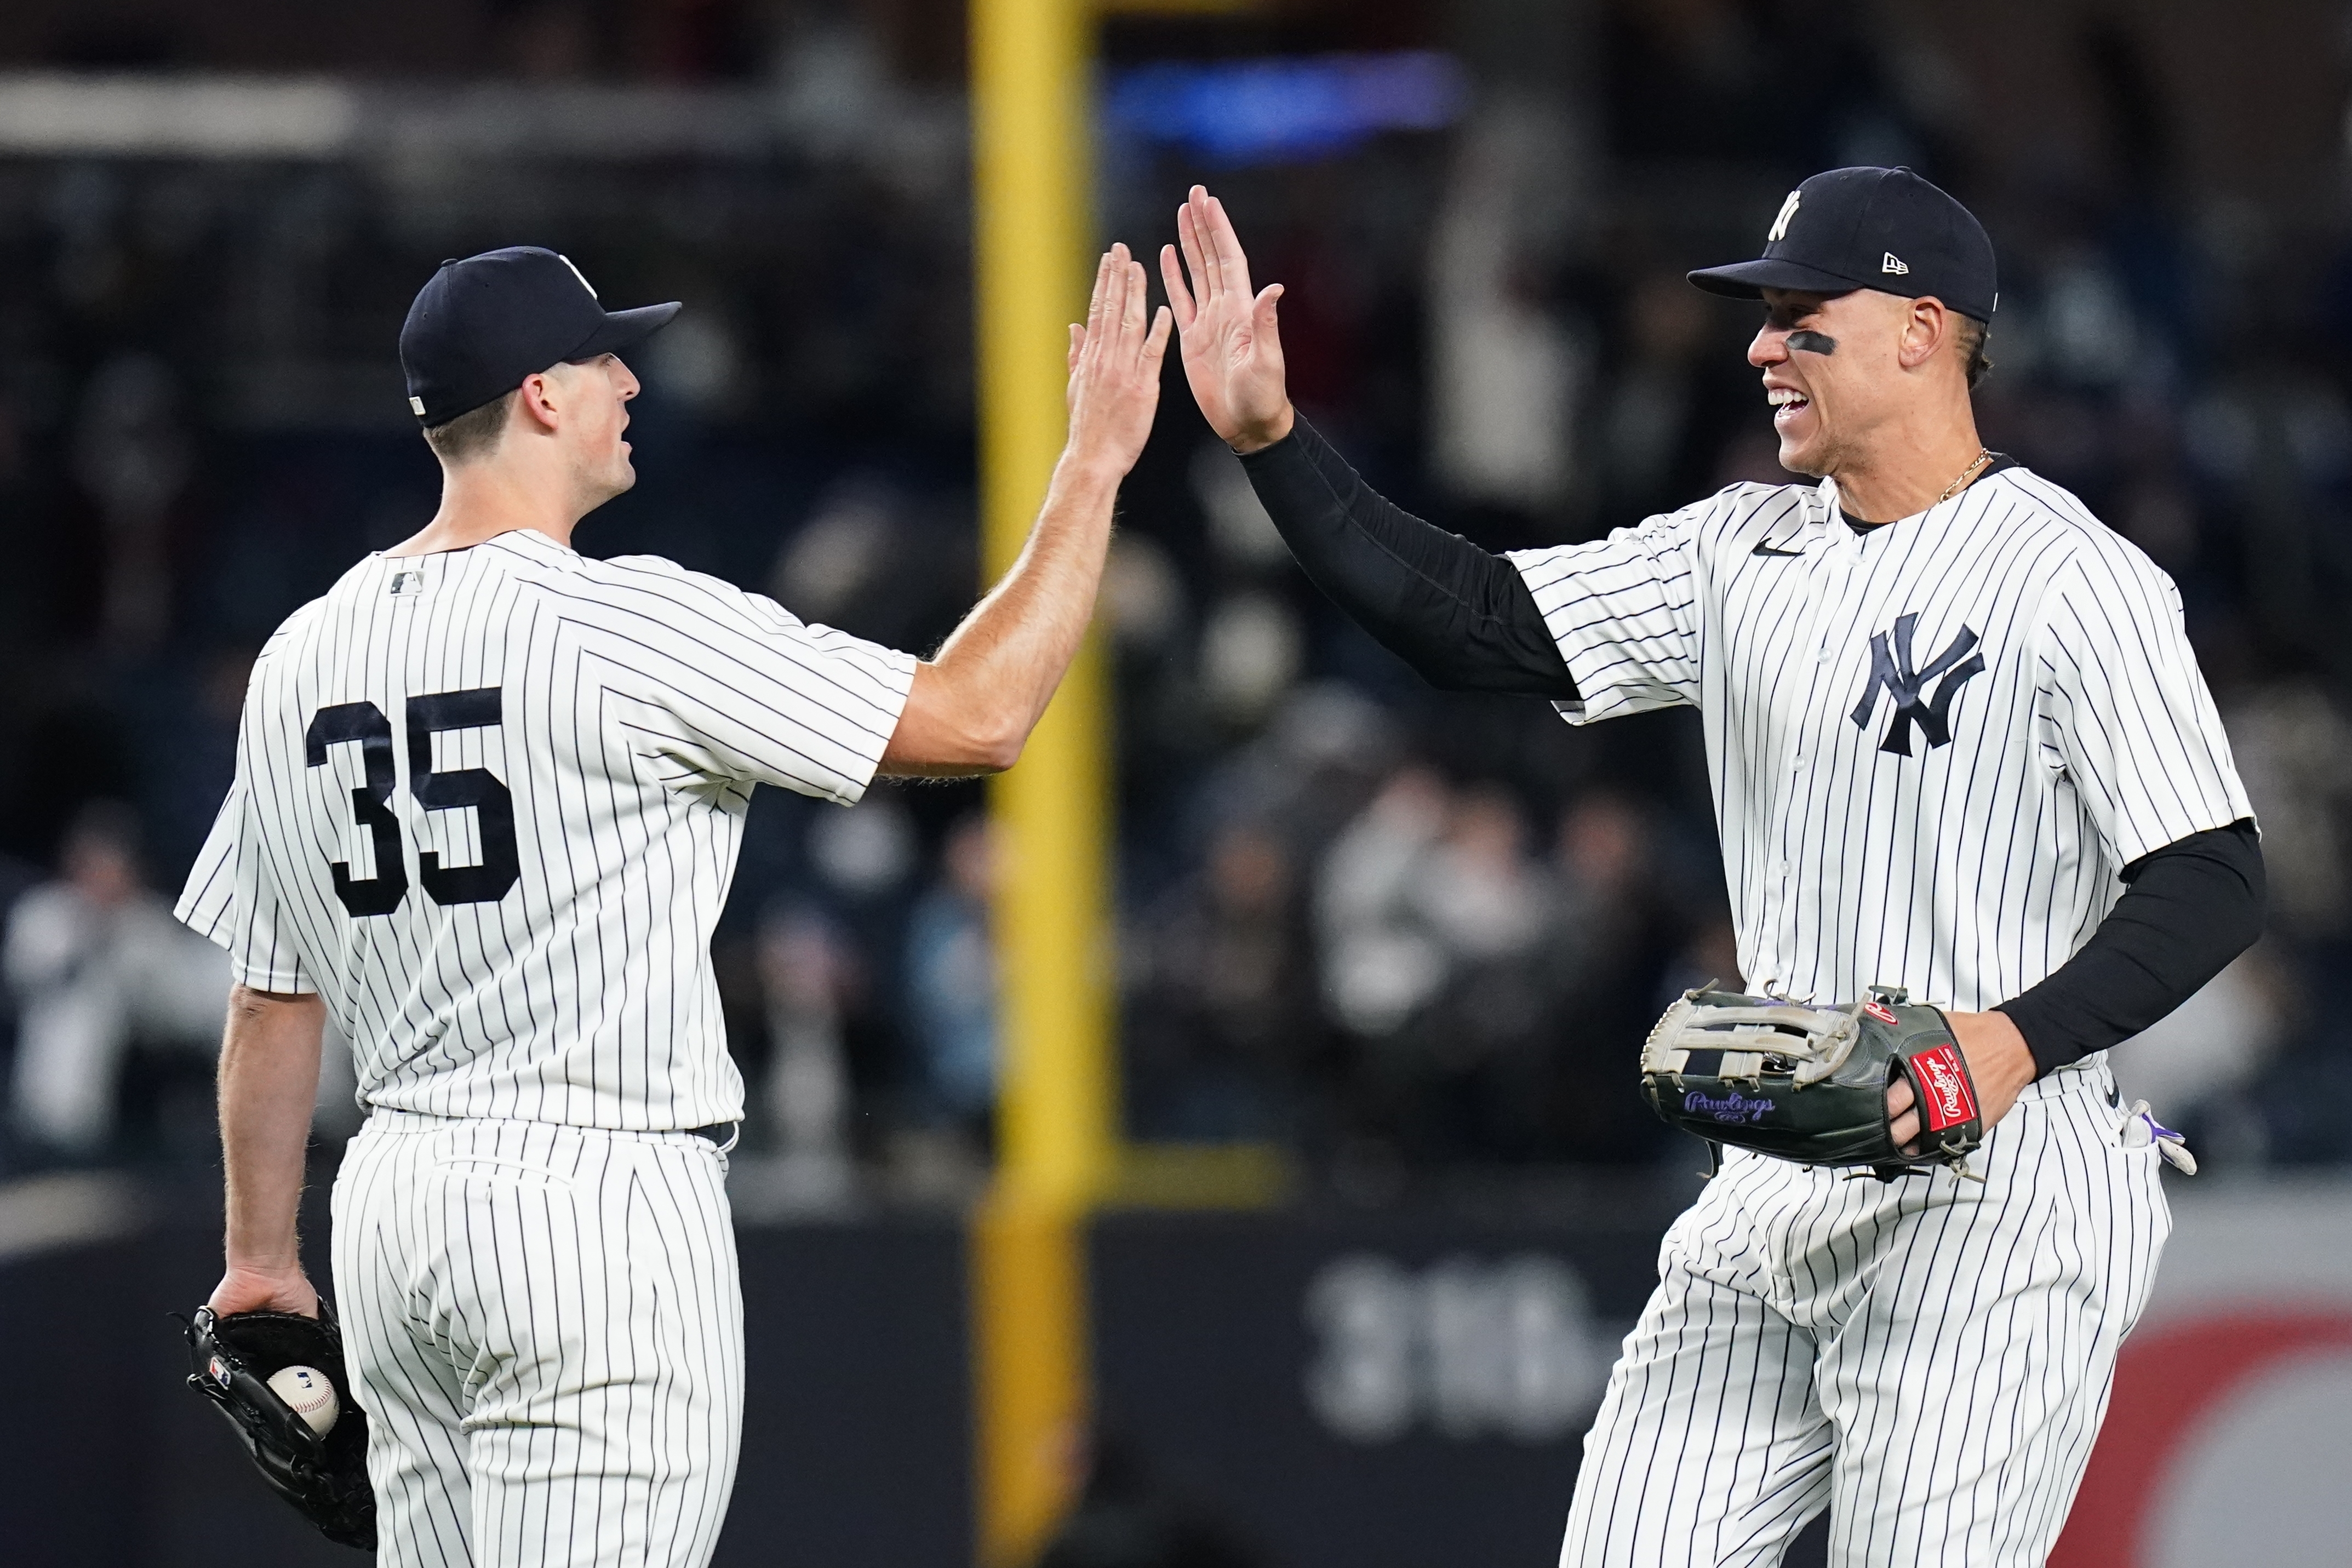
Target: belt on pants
722,1134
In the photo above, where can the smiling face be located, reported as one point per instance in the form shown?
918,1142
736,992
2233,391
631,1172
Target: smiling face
1833,370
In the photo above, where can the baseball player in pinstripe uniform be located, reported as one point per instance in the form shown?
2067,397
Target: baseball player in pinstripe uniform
1958,745
489,797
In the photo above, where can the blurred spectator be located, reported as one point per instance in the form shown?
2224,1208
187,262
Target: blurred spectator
187,710
1508,367
2294,748
1318,761
951,986
1239,530
1605,870
839,554
1223,1020
1431,919
807,973
1649,420
865,853
1604,957
1381,959
99,965
1249,655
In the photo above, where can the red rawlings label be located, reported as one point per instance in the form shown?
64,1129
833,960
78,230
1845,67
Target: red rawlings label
1881,1012
1946,1098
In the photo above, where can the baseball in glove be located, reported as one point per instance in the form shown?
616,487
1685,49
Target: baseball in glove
325,1478
1809,1084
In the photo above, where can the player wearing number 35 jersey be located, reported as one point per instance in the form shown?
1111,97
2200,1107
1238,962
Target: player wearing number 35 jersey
490,808
489,797
1960,746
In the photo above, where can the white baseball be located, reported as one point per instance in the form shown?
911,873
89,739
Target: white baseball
306,1388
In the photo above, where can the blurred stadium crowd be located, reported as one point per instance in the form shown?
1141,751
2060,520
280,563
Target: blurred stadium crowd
1392,932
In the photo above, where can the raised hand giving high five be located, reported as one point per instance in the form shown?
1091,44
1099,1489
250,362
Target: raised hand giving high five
1115,367
1232,347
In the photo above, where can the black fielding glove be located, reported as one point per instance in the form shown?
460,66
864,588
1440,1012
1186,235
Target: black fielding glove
1809,1084
324,1478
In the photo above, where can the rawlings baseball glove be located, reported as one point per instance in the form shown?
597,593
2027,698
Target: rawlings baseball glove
1809,1084
324,1478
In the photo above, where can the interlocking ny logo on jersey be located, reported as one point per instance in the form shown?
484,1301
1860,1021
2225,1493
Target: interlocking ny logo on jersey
1891,671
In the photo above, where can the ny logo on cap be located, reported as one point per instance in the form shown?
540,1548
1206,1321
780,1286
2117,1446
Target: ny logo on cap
1780,224
576,273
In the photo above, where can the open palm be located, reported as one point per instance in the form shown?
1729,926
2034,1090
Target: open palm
1115,365
1231,348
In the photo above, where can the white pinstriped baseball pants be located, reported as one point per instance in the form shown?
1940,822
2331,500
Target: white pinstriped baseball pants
545,1326
1930,1359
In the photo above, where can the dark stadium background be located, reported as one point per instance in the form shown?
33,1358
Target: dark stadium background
201,426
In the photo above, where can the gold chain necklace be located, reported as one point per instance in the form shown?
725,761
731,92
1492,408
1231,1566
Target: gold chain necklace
1984,456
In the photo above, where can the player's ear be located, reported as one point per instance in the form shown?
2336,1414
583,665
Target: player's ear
541,397
1926,326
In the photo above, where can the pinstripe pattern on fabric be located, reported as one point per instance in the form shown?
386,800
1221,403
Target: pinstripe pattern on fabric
639,705
1966,871
545,1328
537,1273
1929,1358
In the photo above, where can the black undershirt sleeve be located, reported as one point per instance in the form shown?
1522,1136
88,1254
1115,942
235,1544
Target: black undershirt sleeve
1462,616
2188,910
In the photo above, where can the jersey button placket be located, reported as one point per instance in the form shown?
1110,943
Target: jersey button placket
1827,570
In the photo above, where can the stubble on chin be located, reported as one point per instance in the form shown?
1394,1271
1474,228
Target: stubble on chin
1795,461
598,485
1815,461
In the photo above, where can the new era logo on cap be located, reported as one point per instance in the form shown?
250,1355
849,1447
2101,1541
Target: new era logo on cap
1854,219
480,326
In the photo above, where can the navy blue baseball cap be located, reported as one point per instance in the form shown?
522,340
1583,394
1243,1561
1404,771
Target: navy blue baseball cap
1870,228
480,325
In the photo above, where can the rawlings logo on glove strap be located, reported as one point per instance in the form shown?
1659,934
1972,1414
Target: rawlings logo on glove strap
1948,1101
1732,1109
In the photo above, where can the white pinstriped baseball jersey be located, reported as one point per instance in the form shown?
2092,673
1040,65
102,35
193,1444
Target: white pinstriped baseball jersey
1933,745
488,804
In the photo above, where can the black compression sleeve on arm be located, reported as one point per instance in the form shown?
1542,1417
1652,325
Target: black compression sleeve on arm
2189,908
1460,615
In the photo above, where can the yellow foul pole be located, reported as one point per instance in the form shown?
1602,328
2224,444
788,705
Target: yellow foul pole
1057,1128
